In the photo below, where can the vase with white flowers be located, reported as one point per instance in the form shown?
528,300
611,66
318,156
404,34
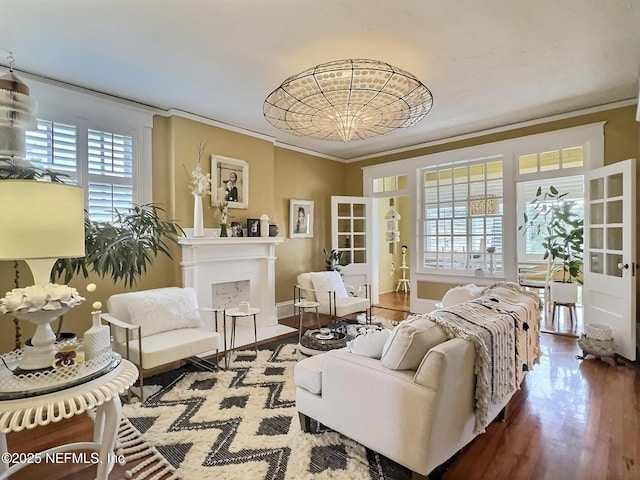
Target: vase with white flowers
200,186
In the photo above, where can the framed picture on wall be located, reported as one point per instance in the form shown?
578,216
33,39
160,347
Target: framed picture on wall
229,181
300,218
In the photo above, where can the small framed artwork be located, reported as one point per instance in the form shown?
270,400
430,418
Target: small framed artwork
300,218
253,227
236,229
229,181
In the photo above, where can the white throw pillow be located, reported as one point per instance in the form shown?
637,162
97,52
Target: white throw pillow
164,310
369,343
461,294
328,281
331,280
409,342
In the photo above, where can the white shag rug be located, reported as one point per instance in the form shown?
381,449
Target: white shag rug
239,423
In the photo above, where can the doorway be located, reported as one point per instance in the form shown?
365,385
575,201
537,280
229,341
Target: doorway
393,266
534,271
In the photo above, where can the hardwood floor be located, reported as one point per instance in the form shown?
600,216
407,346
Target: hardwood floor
572,420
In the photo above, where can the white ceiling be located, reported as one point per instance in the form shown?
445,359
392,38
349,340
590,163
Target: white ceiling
488,63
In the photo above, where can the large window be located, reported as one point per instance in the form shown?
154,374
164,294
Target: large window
467,204
463,210
101,143
107,172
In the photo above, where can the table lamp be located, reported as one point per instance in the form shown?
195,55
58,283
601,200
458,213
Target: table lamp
40,222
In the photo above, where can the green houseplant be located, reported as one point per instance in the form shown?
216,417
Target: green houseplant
332,259
124,248
562,228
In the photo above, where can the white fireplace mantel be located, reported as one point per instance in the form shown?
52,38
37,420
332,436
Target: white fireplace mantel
210,260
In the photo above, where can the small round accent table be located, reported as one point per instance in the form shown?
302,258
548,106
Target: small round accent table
302,307
38,410
236,313
313,342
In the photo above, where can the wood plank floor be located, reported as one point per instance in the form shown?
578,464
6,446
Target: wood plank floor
572,420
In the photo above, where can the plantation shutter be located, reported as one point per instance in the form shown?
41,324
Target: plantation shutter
110,164
54,146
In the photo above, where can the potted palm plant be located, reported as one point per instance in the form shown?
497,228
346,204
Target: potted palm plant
124,248
332,259
562,228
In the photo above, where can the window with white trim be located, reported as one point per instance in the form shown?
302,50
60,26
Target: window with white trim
535,158
463,216
106,175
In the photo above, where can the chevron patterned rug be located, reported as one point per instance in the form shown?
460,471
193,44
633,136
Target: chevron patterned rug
239,423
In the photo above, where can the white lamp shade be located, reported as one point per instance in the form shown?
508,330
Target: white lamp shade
40,220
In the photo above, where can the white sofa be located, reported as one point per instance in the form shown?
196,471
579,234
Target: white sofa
422,412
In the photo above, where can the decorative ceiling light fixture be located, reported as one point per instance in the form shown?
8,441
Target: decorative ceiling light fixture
348,100
16,113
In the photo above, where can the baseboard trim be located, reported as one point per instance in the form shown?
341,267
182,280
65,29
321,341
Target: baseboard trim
284,309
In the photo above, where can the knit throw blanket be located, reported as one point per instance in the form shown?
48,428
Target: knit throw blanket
493,330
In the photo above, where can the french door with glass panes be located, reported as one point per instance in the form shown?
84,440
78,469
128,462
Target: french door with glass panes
609,294
352,234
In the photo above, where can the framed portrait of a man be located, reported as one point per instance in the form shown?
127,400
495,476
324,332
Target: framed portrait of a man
301,219
229,181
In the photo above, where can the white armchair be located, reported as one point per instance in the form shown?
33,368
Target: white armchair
159,326
329,290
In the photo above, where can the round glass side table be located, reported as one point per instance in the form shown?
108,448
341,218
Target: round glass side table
100,392
235,313
302,307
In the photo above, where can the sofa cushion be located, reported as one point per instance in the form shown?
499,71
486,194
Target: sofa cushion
369,343
461,294
345,306
170,346
409,342
162,310
308,373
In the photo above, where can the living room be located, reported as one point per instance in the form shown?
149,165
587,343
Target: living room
169,137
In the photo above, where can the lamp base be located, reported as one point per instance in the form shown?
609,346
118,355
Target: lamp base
41,354
36,358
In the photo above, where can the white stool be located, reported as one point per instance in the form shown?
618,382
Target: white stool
570,306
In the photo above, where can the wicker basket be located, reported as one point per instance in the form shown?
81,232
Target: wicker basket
597,331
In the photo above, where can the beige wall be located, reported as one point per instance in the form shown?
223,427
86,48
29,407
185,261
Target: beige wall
303,177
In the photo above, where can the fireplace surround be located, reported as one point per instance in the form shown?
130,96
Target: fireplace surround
227,270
